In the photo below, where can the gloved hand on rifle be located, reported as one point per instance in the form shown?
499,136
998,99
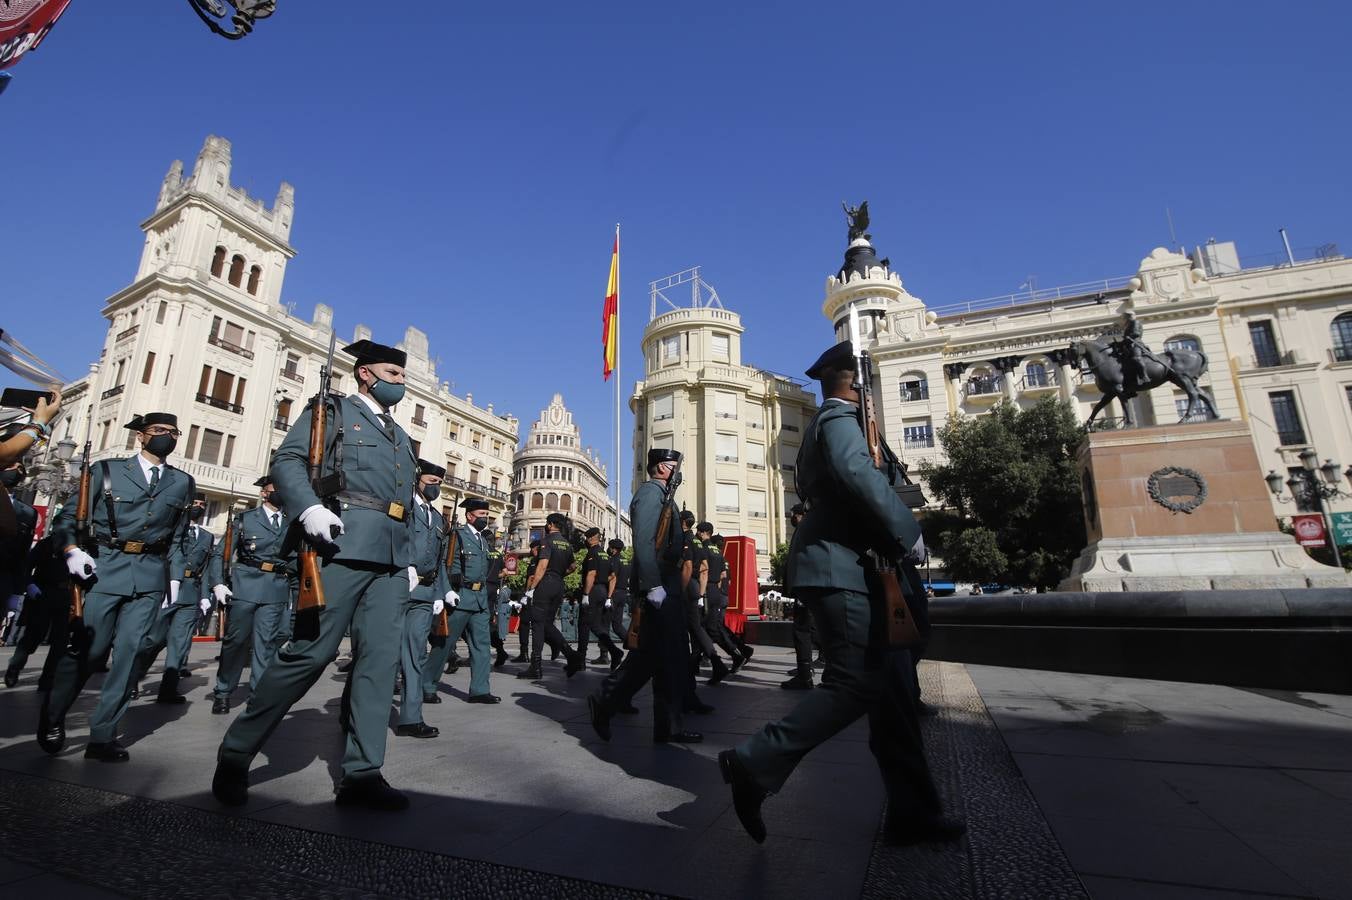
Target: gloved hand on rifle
514,606
437,606
321,524
222,594
657,595
529,595
452,599
701,603
585,601
79,563
412,578
609,603
205,605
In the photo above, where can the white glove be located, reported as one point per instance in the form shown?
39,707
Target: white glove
205,605
657,595
173,592
529,596
452,599
437,606
319,524
222,594
608,603
585,601
514,606
701,603
412,578
79,563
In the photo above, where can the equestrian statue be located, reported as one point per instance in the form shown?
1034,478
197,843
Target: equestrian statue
1126,367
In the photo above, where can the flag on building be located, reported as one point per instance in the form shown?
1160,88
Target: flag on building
610,315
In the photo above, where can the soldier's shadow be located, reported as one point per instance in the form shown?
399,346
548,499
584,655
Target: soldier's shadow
304,736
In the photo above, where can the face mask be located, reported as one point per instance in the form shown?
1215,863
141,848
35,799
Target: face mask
386,393
271,497
480,523
161,445
196,513
10,477
431,492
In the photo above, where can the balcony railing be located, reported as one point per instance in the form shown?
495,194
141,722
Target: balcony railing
1341,352
661,418
918,443
219,404
422,423
1269,360
756,515
293,375
112,392
1032,381
126,333
981,387
755,465
233,348
1291,438
281,424
475,487
756,425
920,391
727,509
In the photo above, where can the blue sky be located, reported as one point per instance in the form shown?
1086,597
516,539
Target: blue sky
462,169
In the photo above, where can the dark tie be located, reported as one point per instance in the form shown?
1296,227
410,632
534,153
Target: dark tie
154,477
275,523
388,422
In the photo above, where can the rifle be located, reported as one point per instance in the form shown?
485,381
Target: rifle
901,627
659,544
227,554
310,596
442,626
83,539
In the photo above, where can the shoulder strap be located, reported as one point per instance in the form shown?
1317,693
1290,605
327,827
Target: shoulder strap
108,498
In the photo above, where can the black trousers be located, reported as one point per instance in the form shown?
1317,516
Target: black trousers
663,657
44,619
803,638
619,603
544,612
594,621
700,643
715,625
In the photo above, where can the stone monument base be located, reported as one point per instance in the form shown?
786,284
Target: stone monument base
1199,562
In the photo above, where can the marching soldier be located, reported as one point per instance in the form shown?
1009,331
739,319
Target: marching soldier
14,545
544,595
662,654
704,590
136,508
366,551
499,602
594,614
469,599
258,615
46,612
617,594
852,507
173,623
521,606
692,558
427,596
802,626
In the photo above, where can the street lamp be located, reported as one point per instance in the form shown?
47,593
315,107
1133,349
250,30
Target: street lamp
1309,488
213,12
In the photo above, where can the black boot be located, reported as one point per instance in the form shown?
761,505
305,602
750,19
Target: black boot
501,659
747,795
720,670
533,671
11,676
577,661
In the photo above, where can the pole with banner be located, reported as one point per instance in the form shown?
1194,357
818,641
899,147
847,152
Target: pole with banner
610,362
1309,530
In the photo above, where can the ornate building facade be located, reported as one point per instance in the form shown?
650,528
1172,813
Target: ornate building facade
201,332
739,427
1278,338
554,472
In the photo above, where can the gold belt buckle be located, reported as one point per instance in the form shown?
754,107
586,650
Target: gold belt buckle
187,573
476,585
134,547
267,567
396,511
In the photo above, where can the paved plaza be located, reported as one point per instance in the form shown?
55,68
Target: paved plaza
1072,785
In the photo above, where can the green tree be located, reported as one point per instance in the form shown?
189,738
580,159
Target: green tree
779,563
1012,495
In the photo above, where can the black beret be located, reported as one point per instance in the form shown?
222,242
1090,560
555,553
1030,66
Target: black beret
705,526
471,504
431,468
140,423
615,544
593,532
368,352
839,358
662,454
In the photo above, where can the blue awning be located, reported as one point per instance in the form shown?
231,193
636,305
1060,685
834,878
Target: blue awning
941,585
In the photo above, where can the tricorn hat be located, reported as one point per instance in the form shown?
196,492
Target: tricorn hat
470,504
839,358
141,423
264,481
431,468
662,454
368,352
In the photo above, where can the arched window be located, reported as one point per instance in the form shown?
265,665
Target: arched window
1035,375
566,503
255,273
1183,342
551,501
236,270
1341,330
537,500
982,380
914,386
218,262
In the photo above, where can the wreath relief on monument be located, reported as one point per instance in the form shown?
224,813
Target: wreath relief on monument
1177,489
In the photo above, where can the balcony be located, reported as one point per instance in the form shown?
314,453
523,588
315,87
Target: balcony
1341,353
219,404
112,392
1086,381
923,442
1294,438
756,515
1269,359
281,424
422,423
983,390
127,332
233,348
914,392
755,465
1035,382
475,488
292,375
727,509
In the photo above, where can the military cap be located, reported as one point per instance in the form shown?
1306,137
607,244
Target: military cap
264,481
703,527
141,423
471,504
558,520
368,352
718,540
615,544
593,532
662,454
431,468
839,358
687,516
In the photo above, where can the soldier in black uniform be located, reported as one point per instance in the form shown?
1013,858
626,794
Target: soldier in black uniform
494,582
544,593
802,627
521,606
46,612
617,600
692,558
593,617
704,591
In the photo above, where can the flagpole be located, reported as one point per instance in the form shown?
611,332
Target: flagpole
616,470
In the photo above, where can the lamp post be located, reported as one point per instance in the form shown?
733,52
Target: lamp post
213,12
1309,487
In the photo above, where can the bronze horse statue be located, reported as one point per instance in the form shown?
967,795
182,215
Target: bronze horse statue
1106,360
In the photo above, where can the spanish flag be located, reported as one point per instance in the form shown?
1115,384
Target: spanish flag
610,315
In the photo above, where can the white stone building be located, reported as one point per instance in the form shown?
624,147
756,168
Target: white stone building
555,472
201,332
739,427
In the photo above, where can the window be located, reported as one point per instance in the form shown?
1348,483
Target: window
520,502
497,448
918,436
1286,418
493,482
1264,344
255,273
1348,389
755,456
755,504
725,447
168,368
103,433
159,313
121,373
475,439
283,414
725,498
1035,375
150,367
720,346
537,500
474,476
551,501
565,503
210,450
1201,414
671,349
453,430
725,405
131,439
1183,342
417,447
218,262
229,450
192,442
234,334
292,366
662,407
419,415
914,386
236,270
1341,329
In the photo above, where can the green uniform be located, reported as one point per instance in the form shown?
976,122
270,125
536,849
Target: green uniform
138,523
468,575
365,579
852,508
429,559
173,622
260,589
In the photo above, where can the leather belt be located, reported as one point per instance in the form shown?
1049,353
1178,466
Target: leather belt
391,508
471,586
425,580
139,548
264,565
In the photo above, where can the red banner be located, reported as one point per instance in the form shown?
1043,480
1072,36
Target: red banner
1310,530
23,25
41,526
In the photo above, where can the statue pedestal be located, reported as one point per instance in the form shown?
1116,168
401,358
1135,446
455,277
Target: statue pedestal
1184,507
